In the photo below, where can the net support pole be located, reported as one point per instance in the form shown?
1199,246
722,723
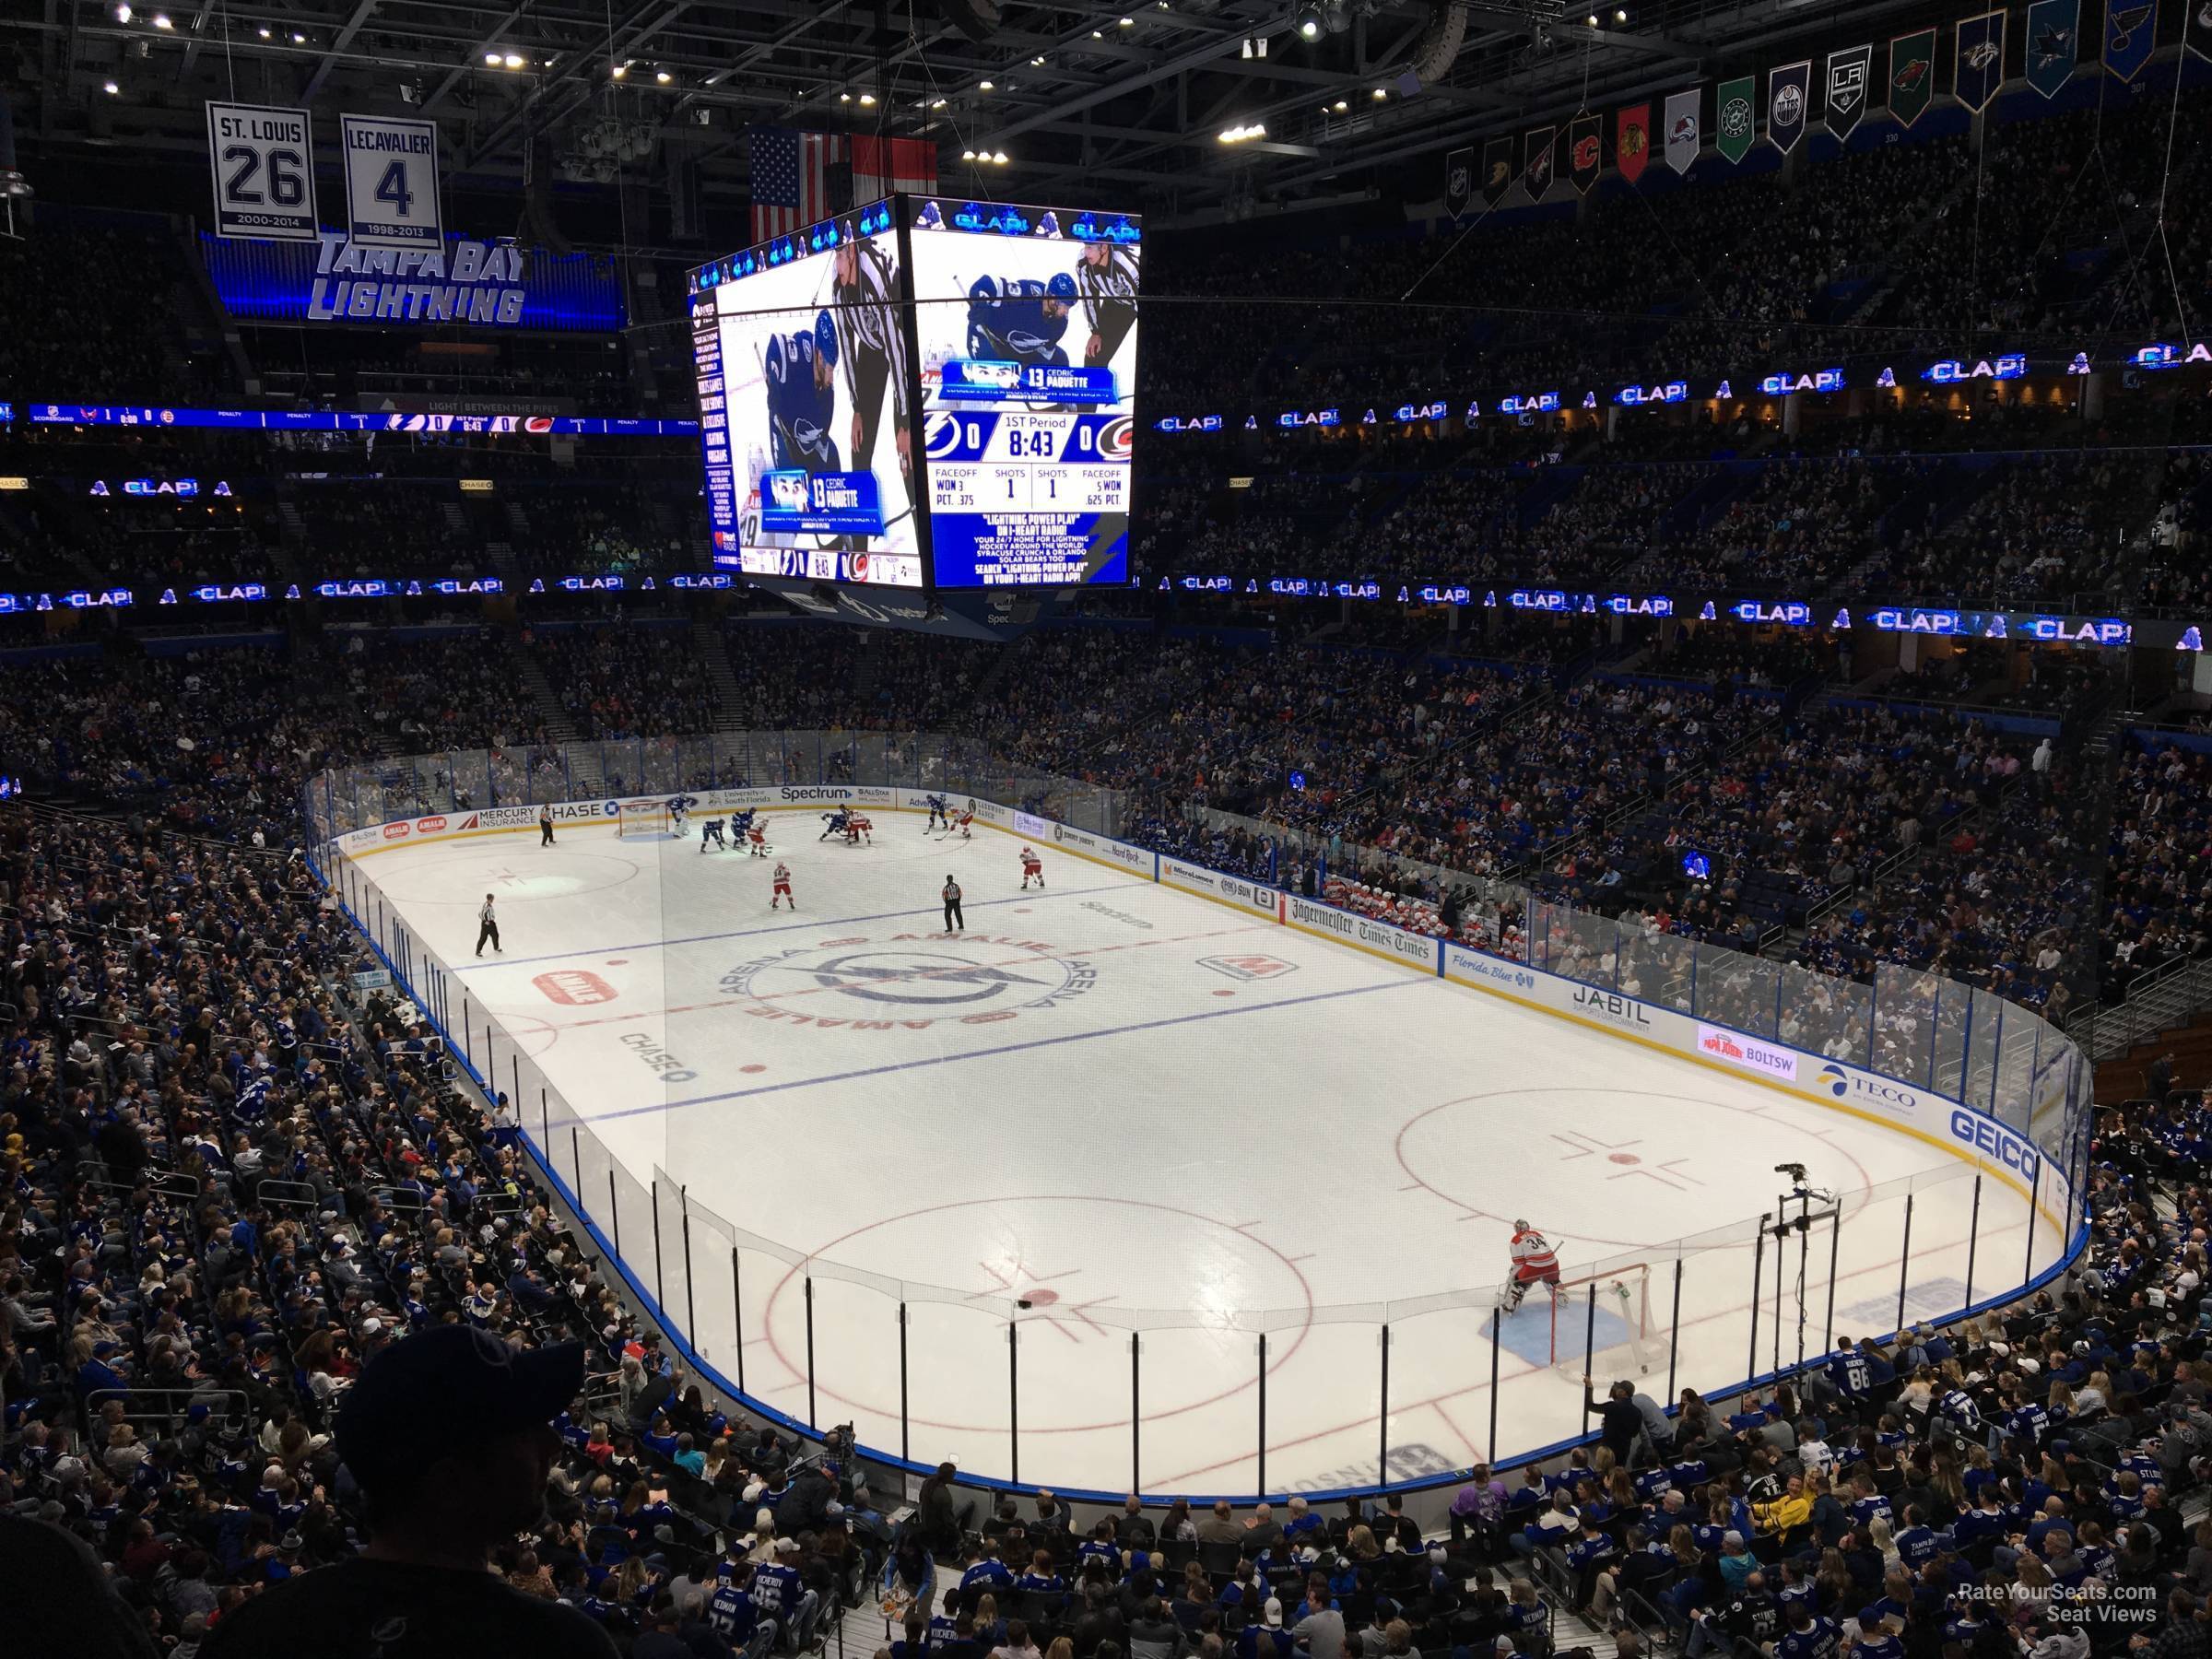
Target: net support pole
1758,1263
1674,1340
1973,1237
810,1351
1383,1416
1904,1264
1261,1482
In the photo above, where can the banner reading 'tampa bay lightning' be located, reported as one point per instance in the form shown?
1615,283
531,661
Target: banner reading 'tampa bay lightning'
392,181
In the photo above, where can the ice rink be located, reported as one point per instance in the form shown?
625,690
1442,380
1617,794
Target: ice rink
1112,1108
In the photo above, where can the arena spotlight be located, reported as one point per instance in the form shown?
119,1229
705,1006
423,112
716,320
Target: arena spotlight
123,14
1307,23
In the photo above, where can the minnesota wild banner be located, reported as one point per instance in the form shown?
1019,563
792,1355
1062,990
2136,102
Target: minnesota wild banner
2053,41
1847,73
1734,123
1980,68
1912,75
1632,140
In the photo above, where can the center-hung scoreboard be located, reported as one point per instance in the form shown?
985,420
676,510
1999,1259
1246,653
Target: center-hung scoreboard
925,393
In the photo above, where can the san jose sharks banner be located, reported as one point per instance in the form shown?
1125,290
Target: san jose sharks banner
1736,123
2129,29
1459,181
1847,74
1912,75
1789,91
1981,66
1497,170
1585,150
1632,140
1683,138
1535,171
2053,41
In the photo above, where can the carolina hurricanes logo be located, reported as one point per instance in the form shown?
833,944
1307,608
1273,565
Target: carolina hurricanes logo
1114,438
860,566
538,423
942,437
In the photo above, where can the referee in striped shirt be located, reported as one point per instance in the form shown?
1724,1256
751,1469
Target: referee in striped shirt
865,289
487,927
1106,277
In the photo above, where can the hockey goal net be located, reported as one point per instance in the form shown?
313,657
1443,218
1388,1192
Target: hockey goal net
640,817
1601,1324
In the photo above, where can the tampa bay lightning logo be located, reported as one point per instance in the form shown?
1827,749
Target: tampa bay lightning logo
906,981
920,979
942,436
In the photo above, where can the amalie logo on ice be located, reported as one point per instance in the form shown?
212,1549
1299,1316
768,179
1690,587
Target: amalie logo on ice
574,987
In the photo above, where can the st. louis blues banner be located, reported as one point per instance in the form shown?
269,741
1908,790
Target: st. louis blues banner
1535,171
1459,181
1683,137
1788,91
1981,66
1912,75
1496,169
1847,73
2129,29
1585,150
1735,122
392,181
1632,141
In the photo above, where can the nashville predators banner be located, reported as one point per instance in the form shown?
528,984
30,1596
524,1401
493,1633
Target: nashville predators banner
1585,150
1632,141
1980,68
1912,75
1497,170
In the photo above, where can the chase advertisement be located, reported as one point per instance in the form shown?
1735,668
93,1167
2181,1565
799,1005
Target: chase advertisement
1026,324
804,391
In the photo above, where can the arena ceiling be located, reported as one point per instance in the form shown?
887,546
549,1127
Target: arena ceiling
1121,104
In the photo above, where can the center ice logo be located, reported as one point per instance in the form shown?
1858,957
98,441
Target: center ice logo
909,982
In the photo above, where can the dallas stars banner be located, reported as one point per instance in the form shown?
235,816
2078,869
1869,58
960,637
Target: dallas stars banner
1497,170
2053,33
1459,181
1632,140
1789,90
2129,26
1535,171
1734,125
1980,62
1847,73
1683,138
1912,75
1585,150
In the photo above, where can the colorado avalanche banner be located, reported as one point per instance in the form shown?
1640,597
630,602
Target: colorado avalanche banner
1497,170
1535,172
1632,140
1683,138
1981,66
1847,73
1585,150
2130,27
1459,181
1735,122
1788,91
2053,36
1912,75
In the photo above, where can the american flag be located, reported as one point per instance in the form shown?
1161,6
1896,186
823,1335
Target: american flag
798,178
881,166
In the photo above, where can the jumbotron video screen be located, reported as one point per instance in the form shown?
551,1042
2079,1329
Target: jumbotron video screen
805,406
1026,320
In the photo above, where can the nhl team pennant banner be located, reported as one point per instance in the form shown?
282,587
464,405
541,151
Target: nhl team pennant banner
265,173
1981,65
2053,37
1632,140
1734,123
2130,27
1787,93
1535,172
1847,73
1585,150
2196,28
1459,181
1497,170
1912,75
1683,137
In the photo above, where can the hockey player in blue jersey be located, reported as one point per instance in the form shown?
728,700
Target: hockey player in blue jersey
712,832
741,823
1019,319
802,397
833,823
936,813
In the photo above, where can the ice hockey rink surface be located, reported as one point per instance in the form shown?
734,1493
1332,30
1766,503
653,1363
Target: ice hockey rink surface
1141,1112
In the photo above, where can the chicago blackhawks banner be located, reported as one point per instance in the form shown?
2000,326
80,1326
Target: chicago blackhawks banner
1981,65
1847,73
1632,140
1912,75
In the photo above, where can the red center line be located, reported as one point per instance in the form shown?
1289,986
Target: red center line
907,977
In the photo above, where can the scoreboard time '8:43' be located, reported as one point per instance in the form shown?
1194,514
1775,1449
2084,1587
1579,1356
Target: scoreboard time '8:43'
1004,461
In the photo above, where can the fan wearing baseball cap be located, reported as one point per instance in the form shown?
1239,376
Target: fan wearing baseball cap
449,1435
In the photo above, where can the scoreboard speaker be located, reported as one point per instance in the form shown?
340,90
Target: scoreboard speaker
978,19
1438,47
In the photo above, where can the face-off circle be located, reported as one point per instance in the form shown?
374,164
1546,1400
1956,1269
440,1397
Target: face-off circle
551,873
908,981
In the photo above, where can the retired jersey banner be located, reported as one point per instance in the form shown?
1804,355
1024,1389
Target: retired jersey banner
1684,136
1632,140
1535,171
1496,169
392,181
1585,150
1789,90
2053,39
1912,75
2129,26
2196,28
264,174
1734,123
1981,66
1847,73
1459,181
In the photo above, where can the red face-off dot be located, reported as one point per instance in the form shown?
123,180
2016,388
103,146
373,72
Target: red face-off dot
752,1068
1044,1296
1225,993
1625,1158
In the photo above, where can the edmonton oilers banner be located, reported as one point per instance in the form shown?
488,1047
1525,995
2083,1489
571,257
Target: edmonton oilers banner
2054,37
1788,92
1981,65
489,284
